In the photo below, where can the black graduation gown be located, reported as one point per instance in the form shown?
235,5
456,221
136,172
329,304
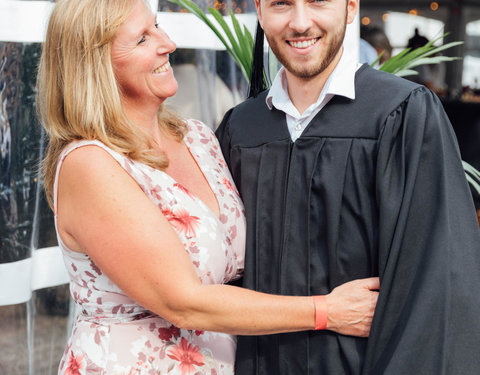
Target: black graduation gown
374,186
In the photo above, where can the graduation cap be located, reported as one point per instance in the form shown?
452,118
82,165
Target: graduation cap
258,77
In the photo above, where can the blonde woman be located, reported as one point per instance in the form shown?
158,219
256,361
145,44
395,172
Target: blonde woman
147,216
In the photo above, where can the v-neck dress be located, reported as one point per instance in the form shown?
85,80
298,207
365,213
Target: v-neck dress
112,334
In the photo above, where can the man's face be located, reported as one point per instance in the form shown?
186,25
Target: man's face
306,35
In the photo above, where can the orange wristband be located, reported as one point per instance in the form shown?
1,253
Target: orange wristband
321,312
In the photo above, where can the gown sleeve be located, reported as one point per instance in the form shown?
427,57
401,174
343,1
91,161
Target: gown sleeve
427,319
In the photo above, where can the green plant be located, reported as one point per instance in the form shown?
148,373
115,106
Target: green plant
238,42
473,176
403,63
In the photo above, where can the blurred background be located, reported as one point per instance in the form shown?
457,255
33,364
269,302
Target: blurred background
35,308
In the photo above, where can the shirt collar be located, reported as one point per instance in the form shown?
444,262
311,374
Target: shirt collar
341,82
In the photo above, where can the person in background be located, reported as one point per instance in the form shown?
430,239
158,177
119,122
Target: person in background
431,76
417,40
378,39
148,219
367,54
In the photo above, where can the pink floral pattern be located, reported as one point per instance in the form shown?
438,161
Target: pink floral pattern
75,364
188,355
114,335
182,220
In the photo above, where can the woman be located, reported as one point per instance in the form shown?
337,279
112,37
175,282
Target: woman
149,221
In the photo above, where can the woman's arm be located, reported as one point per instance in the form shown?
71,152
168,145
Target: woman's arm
103,212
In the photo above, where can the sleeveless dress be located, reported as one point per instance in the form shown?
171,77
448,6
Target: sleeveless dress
114,335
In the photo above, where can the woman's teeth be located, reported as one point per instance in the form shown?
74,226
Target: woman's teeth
163,68
303,43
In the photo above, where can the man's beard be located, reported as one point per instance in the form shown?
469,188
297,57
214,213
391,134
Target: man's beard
300,70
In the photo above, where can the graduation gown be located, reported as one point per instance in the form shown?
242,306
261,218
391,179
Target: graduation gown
373,187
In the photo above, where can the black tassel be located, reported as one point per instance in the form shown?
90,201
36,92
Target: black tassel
257,80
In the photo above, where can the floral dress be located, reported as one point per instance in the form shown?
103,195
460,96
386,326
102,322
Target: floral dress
114,335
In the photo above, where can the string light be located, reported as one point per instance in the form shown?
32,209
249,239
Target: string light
433,5
413,12
366,21
385,17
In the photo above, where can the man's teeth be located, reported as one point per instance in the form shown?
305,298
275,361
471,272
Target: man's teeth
163,68
303,44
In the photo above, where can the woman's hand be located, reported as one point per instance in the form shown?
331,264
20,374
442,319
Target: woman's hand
351,307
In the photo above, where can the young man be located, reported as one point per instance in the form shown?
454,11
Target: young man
347,172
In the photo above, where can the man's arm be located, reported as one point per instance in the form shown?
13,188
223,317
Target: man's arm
427,319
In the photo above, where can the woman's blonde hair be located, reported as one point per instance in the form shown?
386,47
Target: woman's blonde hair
78,96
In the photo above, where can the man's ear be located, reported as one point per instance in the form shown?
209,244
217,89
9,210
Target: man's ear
257,5
352,10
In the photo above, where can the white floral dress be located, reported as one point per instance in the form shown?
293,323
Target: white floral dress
114,335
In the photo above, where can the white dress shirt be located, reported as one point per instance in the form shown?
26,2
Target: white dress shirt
340,82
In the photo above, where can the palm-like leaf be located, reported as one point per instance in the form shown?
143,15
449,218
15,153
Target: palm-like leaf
473,176
402,64
239,43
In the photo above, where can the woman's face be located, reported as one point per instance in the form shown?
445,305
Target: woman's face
140,52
